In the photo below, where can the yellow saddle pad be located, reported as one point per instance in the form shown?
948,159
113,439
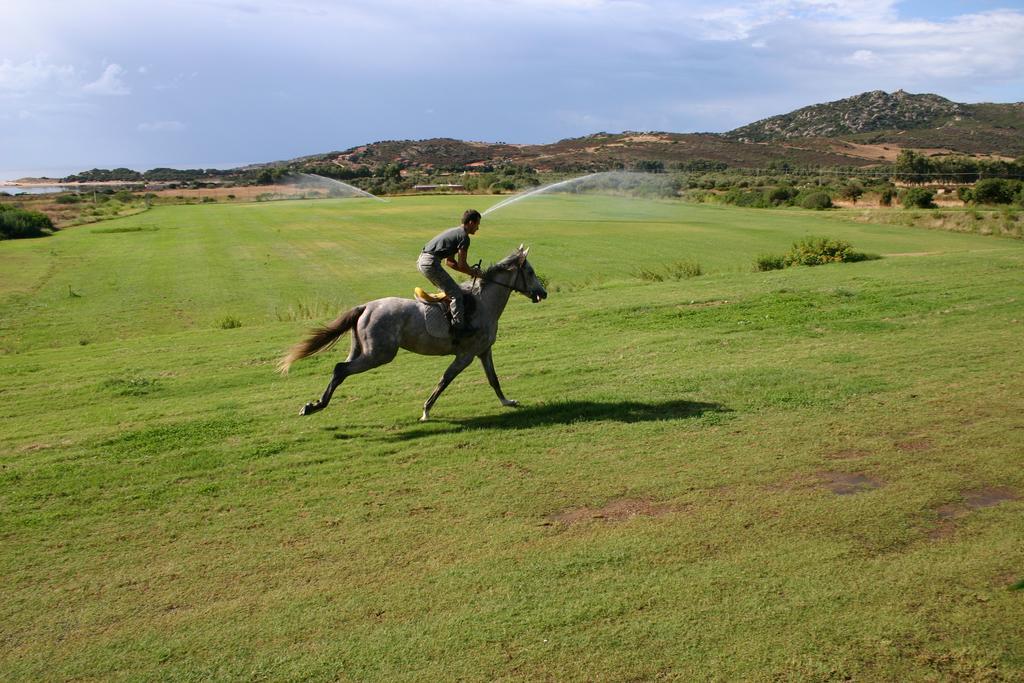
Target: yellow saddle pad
427,297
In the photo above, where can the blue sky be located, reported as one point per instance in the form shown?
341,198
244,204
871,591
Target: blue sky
202,83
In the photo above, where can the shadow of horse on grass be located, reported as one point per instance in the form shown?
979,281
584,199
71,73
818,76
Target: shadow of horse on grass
571,412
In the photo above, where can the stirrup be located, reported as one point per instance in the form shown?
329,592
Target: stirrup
427,297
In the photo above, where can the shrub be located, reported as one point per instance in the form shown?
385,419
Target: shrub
68,199
781,195
229,322
16,223
816,200
769,262
679,270
748,198
816,251
852,191
917,198
700,196
995,191
649,275
683,270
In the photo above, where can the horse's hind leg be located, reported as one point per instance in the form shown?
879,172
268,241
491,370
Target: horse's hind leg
341,371
358,361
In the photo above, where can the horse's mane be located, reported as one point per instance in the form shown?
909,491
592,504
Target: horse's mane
504,264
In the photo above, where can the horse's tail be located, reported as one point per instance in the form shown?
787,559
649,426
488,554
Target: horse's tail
321,338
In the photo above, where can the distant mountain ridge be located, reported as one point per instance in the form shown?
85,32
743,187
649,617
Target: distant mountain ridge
862,130
868,112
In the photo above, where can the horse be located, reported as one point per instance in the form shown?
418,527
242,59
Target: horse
383,326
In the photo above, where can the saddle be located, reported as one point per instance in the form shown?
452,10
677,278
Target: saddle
437,310
425,297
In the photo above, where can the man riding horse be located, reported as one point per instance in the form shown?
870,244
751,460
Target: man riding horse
451,248
383,326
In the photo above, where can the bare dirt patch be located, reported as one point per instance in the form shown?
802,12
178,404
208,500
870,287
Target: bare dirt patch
839,483
848,454
848,483
914,445
240,193
973,499
42,446
613,511
645,138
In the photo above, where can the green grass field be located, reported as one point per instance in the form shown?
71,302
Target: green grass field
808,474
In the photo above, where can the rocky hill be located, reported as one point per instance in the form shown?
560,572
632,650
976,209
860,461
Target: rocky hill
924,121
864,113
600,151
865,129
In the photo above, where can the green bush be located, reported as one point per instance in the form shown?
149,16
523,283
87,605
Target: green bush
699,196
679,270
917,198
229,322
683,270
816,251
781,195
17,223
995,191
886,195
748,198
769,262
816,200
852,190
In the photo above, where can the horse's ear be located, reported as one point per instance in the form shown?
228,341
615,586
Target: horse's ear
526,251
520,247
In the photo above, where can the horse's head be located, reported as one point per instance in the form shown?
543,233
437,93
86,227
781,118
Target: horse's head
528,280
514,272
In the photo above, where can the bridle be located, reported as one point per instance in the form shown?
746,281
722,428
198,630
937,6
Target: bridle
514,286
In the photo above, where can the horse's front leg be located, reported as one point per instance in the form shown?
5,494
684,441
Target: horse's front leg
458,365
488,362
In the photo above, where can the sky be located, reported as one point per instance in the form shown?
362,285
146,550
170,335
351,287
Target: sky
221,83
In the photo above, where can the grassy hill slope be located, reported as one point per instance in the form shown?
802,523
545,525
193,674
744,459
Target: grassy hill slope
799,474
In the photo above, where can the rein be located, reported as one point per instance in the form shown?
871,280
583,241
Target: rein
513,287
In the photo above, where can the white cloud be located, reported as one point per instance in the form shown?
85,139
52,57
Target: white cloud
34,75
161,126
863,58
931,53
109,83
533,70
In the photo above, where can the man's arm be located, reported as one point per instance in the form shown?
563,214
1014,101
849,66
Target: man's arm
461,265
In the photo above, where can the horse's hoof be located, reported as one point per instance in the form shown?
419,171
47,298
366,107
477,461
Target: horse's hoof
510,403
424,418
309,409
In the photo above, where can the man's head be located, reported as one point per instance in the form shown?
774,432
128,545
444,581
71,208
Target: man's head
471,220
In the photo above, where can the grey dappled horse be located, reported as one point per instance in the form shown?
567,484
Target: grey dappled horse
381,327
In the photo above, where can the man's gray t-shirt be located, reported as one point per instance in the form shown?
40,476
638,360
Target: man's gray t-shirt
448,243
